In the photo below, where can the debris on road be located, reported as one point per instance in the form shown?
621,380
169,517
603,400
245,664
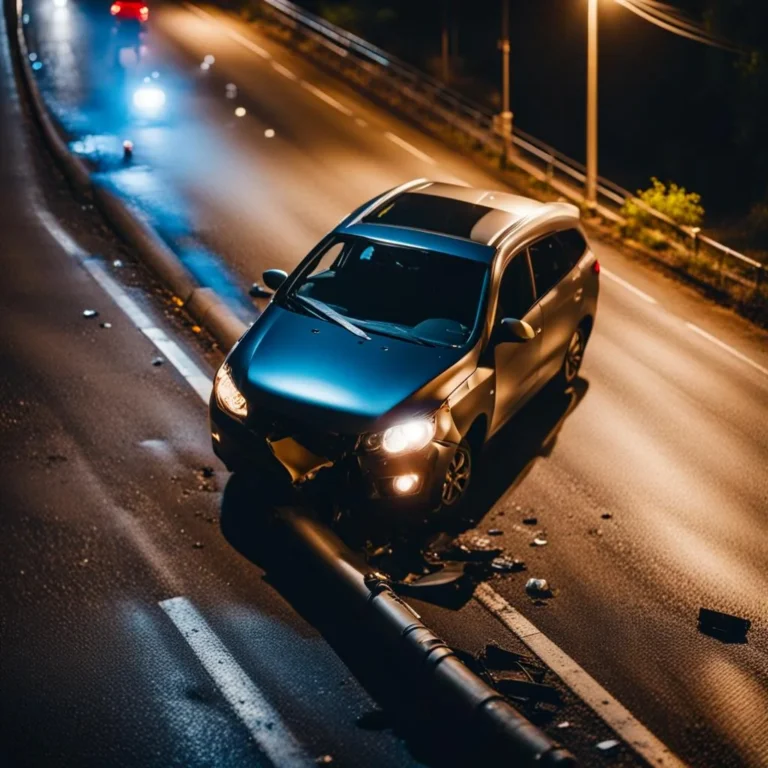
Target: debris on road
448,574
496,657
564,724
530,521
507,564
495,532
723,626
105,325
157,361
90,313
198,545
324,760
521,688
117,263
608,745
207,471
538,588
606,515
540,540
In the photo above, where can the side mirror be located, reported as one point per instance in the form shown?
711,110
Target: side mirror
274,278
516,330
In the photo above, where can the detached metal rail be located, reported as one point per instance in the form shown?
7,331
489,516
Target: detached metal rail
505,732
366,64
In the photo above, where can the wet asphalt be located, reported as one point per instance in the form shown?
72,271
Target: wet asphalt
650,481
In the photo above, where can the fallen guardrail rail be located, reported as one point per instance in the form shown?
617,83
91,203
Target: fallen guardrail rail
435,106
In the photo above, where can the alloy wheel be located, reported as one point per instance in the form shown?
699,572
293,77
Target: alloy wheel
574,356
457,477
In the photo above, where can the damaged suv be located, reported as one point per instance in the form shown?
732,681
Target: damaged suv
406,338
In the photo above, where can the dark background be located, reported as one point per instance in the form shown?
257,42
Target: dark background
669,107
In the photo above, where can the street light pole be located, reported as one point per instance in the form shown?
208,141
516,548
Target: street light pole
506,114
591,183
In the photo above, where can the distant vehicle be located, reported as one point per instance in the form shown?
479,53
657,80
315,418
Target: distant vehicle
129,20
406,338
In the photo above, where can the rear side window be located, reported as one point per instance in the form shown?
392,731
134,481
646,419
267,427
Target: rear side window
430,213
553,257
516,289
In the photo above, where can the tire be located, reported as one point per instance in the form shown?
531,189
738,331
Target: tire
457,481
574,356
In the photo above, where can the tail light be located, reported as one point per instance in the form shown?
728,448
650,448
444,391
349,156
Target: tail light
115,8
596,267
143,13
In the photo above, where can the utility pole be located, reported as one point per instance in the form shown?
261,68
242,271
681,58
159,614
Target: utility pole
591,182
506,114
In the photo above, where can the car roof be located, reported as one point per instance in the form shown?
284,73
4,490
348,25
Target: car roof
453,214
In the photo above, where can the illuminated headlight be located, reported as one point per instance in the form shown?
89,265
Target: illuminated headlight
60,3
228,396
149,99
403,438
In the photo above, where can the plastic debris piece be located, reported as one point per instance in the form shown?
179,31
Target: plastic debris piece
196,329
157,361
530,521
197,545
564,724
105,325
507,564
538,588
608,745
540,540
90,313
495,532
606,515
723,626
520,688
448,574
496,657
117,263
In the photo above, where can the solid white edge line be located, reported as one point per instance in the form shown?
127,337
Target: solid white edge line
323,96
615,715
231,33
179,359
395,139
728,348
616,279
263,722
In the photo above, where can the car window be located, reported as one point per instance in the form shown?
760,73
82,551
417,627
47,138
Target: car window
574,244
516,289
551,262
396,290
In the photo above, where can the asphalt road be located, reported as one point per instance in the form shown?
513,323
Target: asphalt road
652,487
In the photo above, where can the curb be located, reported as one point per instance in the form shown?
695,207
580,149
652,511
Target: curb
460,693
203,304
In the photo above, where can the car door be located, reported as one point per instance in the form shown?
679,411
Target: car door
559,292
516,363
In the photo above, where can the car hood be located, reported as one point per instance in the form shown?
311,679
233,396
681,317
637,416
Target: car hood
316,372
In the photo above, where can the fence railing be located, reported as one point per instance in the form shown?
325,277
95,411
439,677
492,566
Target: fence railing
400,82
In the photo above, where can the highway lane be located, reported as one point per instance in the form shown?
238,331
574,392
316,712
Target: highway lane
108,509
668,435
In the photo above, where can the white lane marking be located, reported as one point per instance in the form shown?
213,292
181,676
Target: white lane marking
172,351
616,279
410,148
284,71
262,721
618,717
231,33
728,348
326,98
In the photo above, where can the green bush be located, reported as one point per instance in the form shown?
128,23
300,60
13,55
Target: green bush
676,202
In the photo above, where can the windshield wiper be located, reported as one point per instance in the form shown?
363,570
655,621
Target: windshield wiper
332,315
386,329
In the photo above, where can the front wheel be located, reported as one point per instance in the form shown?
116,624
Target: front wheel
574,356
457,480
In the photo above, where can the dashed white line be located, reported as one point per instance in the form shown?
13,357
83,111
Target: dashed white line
180,360
231,33
728,348
284,71
262,721
618,717
624,284
395,139
323,96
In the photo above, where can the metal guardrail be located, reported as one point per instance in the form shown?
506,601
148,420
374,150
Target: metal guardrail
699,255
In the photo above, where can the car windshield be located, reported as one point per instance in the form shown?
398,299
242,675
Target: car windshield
418,295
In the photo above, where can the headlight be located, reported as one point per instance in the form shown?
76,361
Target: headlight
228,396
149,99
403,438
